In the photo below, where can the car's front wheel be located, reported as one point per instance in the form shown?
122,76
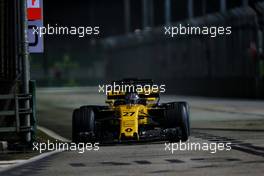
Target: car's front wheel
177,117
83,125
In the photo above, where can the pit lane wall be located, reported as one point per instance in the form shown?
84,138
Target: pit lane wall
195,65
13,111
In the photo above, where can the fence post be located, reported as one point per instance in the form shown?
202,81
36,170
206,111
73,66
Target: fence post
190,8
25,64
127,15
222,6
167,11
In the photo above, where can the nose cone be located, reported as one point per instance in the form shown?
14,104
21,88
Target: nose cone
128,122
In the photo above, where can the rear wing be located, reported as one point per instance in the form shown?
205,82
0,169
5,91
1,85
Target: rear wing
144,87
121,95
134,81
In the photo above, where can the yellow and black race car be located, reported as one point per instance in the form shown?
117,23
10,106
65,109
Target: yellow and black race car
131,115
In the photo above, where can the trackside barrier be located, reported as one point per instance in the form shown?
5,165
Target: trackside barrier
13,117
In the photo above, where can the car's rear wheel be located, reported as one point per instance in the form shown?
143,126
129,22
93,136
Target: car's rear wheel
177,117
83,125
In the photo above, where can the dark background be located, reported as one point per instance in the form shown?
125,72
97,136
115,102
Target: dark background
115,53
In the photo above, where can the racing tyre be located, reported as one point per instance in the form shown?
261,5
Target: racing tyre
177,117
187,107
74,125
83,125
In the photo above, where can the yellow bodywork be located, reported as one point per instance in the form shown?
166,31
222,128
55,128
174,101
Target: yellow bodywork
131,116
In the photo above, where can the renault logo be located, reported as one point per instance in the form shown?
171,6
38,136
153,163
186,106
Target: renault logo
128,130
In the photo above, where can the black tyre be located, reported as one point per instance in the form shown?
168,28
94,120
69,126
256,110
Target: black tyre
83,125
186,105
177,117
74,125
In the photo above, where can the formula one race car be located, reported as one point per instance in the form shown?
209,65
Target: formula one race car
131,115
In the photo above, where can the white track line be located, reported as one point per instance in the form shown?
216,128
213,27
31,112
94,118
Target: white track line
53,134
11,164
10,161
31,160
4,164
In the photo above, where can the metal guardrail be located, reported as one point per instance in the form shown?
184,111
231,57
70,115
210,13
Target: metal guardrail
17,112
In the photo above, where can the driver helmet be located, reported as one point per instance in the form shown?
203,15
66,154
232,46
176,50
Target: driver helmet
132,98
